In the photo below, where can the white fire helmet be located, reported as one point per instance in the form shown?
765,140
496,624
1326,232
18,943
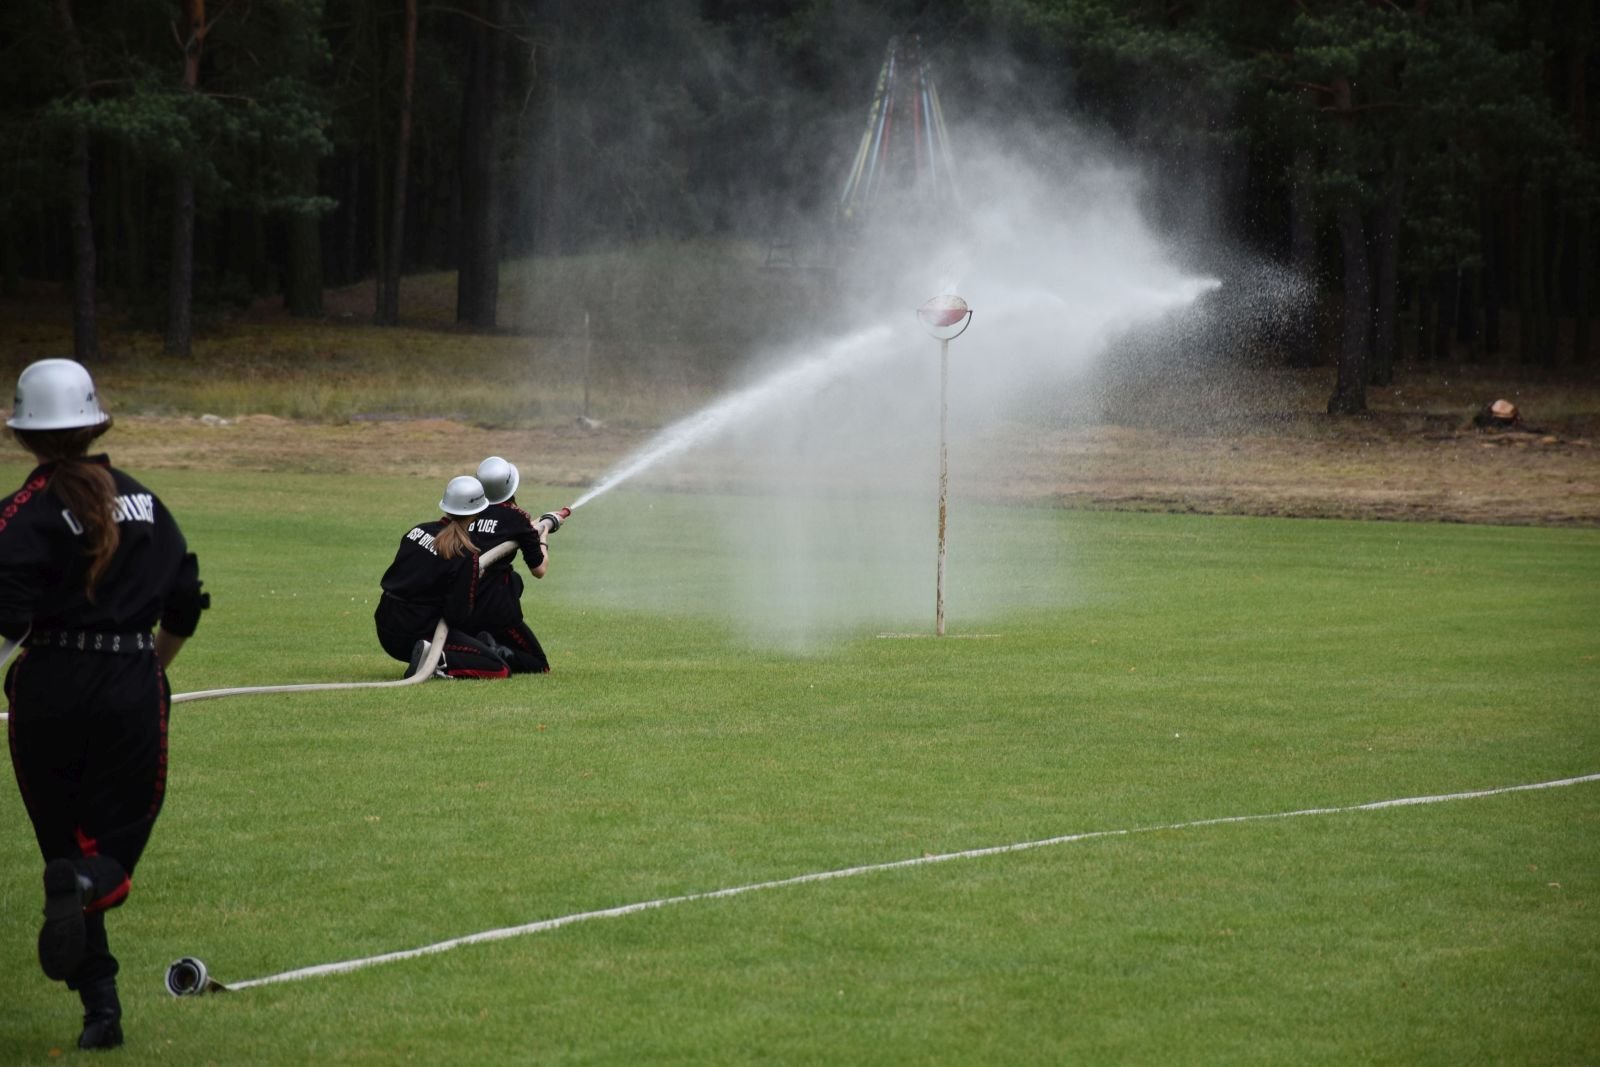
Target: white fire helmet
499,478
55,394
463,496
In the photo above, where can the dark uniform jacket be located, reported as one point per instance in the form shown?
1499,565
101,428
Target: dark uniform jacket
500,593
152,577
499,523
420,586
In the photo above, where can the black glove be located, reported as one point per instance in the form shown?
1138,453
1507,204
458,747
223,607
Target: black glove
551,520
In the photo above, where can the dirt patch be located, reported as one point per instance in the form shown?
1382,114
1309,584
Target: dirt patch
1224,432
1405,468
1459,477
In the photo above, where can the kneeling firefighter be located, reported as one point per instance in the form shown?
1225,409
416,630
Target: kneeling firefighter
499,616
435,574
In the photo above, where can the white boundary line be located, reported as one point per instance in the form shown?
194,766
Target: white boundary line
849,872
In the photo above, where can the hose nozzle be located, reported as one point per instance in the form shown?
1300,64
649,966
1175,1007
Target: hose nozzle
552,520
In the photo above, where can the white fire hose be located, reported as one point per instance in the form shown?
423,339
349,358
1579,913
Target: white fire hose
422,674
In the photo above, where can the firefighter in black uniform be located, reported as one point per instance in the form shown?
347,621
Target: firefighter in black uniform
499,615
435,575
90,561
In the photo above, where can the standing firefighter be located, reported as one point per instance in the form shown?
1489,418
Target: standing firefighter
499,613
90,561
435,574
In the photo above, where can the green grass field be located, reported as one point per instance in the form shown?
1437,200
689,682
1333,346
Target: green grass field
1156,670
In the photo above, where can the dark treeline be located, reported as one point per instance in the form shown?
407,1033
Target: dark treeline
1431,165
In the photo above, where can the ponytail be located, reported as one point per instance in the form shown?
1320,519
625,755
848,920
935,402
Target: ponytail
85,488
452,539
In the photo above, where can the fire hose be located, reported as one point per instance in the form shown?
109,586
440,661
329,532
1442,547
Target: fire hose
550,521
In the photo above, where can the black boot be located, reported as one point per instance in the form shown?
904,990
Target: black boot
496,647
419,652
102,1015
61,938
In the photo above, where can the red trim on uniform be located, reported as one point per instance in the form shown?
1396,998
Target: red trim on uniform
22,496
473,672
111,899
161,764
87,845
11,744
503,672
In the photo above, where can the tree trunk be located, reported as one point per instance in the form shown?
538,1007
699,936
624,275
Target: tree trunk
241,265
380,175
1493,276
1533,306
10,269
350,269
1448,287
1468,314
1578,66
1583,236
85,327
1303,257
478,280
180,279
106,179
389,305
1550,321
442,222
1583,284
1523,260
130,207
180,284
1423,334
550,211
303,294
1386,259
1350,387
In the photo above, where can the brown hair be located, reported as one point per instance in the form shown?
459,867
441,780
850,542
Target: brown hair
85,488
453,539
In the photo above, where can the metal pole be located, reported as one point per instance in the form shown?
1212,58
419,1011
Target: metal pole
944,480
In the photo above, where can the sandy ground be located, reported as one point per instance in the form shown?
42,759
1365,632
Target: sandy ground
1363,468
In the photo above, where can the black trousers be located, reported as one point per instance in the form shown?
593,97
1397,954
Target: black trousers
88,740
499,613
465,656
527,655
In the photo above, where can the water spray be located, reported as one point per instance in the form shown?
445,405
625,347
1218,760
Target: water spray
945,318
789,385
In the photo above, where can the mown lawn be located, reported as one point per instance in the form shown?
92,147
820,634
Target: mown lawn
1108,672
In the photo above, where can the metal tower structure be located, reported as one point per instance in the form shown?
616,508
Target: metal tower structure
904,153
